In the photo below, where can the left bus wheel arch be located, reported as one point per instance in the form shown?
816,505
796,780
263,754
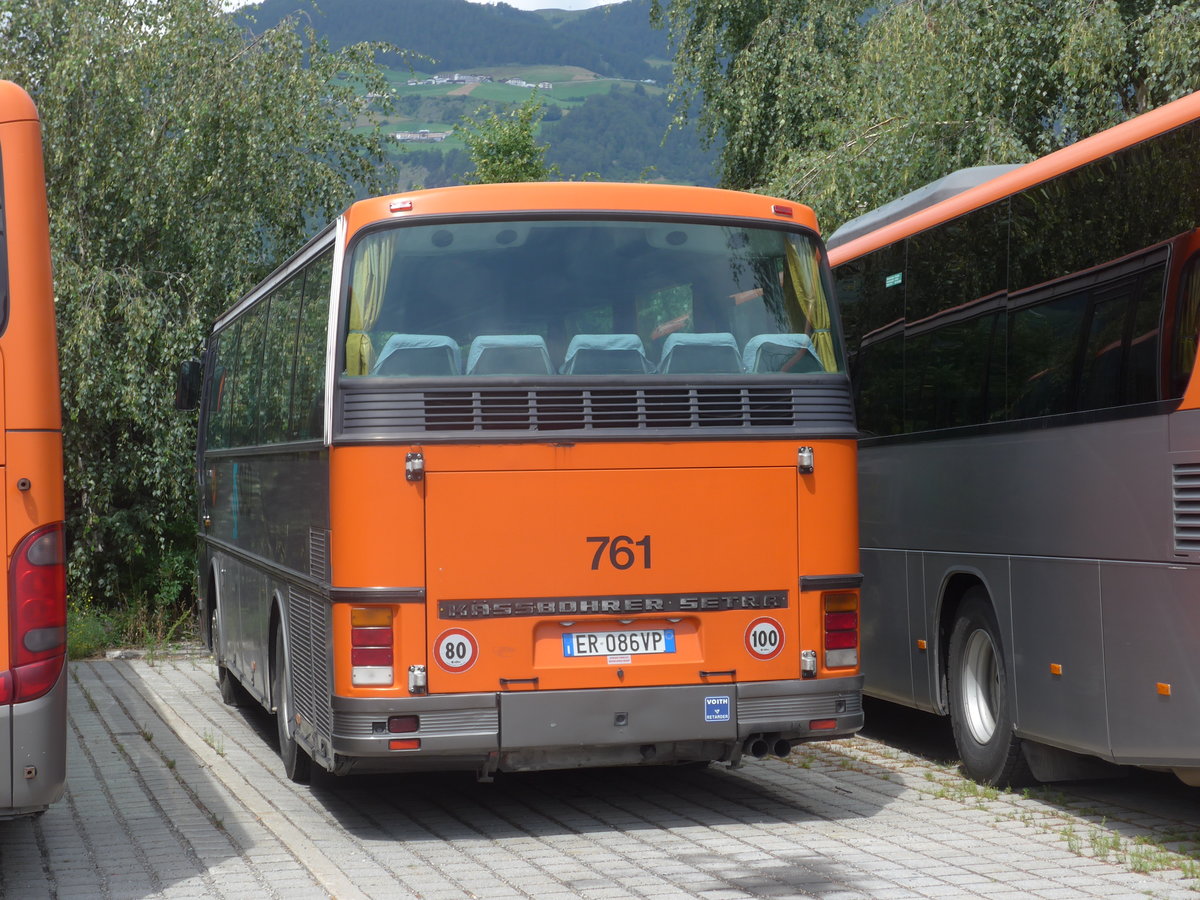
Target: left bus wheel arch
296,763
955,585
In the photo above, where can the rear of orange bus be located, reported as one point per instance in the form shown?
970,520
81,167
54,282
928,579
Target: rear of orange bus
33,677
592,483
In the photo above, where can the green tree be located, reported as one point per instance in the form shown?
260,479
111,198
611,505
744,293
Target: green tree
184,157
504,146
845,105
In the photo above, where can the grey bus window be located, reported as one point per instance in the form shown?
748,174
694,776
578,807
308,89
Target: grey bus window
1186,340
1141,369
1136,198
279,360
221,348
878,381
509,354
1043,353
308,390
243,412
791,353
1118,362
419,354
606,354
698,354
947,374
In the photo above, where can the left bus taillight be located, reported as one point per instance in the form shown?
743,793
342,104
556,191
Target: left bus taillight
841,630
37,593
371,646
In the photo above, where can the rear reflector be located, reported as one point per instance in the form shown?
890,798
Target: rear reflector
405,744
404,724
822,724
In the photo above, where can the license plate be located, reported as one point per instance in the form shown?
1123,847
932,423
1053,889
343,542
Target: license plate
619,643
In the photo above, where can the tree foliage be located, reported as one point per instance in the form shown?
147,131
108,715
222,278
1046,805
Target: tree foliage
504,147
846,104
184,157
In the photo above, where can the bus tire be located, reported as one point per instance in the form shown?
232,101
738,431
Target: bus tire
296,764
981,698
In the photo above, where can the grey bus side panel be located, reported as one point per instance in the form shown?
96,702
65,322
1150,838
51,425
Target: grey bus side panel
269,534
1079,517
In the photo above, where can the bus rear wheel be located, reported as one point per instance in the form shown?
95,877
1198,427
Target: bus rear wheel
296,764
981,712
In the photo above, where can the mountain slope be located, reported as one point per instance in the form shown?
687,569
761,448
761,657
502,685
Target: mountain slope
611,41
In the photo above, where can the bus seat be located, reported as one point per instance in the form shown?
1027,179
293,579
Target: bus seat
419,354
791,353
606,354
509,354
695,354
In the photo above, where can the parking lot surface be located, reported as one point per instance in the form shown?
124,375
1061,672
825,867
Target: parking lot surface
172,794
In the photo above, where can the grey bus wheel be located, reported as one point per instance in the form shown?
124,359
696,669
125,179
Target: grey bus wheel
981,705
296,764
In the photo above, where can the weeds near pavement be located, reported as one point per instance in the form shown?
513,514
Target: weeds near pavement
215,741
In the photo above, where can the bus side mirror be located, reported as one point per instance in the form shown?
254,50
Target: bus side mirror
187,389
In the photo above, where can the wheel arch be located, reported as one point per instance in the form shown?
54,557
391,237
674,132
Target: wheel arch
210,601
276,631
955,585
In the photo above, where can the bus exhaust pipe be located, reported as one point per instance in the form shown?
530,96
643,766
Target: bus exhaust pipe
757,746
781,748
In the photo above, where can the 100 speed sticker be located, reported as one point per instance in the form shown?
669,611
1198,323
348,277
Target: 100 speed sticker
764,638
455,650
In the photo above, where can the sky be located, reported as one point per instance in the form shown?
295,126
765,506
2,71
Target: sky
552,4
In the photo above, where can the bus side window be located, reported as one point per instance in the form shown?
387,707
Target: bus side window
279,361
243,406
220,349
308,390
1043,353
1187,327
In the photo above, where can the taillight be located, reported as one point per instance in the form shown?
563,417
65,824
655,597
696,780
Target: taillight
37,595
841,630
371,643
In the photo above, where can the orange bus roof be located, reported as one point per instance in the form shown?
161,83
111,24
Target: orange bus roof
15,104
582,196
1147,125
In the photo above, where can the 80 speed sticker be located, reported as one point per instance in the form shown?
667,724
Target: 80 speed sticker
455,650
764,638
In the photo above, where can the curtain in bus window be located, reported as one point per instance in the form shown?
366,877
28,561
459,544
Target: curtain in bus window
806,279
373,264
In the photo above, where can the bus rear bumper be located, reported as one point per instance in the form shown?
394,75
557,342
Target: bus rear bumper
33,754
531,730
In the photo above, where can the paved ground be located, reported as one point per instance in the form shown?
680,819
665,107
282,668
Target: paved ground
174,795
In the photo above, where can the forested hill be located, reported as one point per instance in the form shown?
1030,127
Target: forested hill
611,40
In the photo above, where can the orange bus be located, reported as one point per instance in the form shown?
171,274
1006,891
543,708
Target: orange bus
33,634
1022,344
518,477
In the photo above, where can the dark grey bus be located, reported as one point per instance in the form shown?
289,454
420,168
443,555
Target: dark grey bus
1022,344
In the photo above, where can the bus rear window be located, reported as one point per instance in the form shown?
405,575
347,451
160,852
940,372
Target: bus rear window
586,298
